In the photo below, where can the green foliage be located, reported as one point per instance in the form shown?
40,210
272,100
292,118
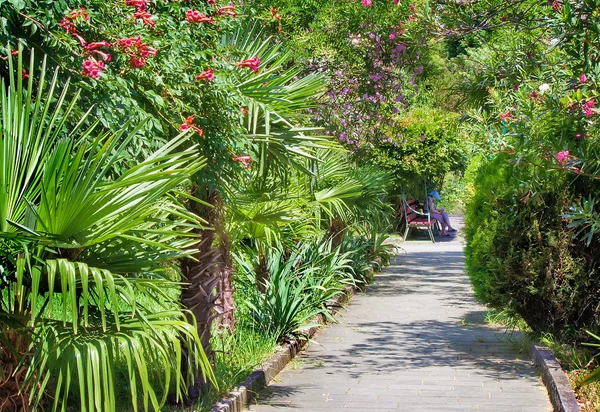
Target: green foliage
540,274
86,252
454,194
99,208
368,255
238,353
431,146
288,299
163,89
380,65
531,216
297,284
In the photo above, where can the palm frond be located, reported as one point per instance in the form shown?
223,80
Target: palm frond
151,348
89,253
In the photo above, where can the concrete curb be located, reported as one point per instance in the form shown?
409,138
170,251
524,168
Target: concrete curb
560,391
242,395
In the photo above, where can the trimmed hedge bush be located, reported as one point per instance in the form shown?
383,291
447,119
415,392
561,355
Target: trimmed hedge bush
522,256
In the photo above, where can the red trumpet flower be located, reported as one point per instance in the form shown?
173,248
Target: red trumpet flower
145,17
92,68
189,124
228,10
244,160
194,16
140,5
252,63
97,45
208,74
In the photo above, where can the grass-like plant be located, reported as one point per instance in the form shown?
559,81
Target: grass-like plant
292,293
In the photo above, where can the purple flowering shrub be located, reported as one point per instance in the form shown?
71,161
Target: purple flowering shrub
362,104
375,62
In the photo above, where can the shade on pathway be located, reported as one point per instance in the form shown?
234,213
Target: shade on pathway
416,340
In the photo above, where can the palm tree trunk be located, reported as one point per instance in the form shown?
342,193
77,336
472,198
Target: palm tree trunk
12,372
209,293
337,232
225,305
262,273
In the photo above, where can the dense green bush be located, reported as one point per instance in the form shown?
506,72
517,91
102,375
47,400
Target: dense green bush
531,215
521,253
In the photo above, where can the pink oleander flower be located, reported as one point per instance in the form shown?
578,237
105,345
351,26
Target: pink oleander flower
208,75
367,3
244,160
244,110
576,170
252,63
562,157
392,36
194,16
583,78
227,10
506,115
587,107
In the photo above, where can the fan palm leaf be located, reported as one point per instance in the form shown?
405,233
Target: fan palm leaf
277,100
88,255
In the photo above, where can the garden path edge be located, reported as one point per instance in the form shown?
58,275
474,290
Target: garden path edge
241,396
555,379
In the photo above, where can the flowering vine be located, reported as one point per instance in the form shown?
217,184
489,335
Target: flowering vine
189,125
252,64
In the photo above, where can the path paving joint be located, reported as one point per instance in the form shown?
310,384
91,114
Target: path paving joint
416,340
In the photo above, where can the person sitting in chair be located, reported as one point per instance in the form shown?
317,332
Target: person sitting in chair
439,213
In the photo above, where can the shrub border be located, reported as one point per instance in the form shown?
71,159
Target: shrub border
244,393
557,383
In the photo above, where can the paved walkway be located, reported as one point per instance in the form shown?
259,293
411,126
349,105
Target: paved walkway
415,341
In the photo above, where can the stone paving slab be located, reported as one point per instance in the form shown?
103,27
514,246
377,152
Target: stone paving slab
415,340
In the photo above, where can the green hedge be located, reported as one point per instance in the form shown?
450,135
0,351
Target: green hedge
522,256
